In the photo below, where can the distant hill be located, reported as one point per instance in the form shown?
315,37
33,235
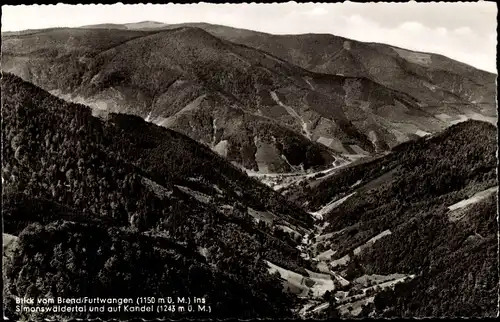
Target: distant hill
260,111
128,192
432,78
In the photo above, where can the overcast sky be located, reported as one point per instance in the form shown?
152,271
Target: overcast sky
462,31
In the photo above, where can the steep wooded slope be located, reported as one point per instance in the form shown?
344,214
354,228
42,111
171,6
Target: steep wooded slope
81,182
428,209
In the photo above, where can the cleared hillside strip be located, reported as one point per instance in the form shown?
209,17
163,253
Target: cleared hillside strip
474,199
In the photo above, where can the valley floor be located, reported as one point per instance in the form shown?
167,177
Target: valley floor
311,286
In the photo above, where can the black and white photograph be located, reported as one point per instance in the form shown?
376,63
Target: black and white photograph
205,161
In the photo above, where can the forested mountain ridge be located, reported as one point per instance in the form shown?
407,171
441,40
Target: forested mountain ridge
427,209
254,107
167,157
433,78
81,182
455,149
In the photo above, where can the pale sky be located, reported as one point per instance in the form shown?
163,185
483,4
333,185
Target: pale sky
462,31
